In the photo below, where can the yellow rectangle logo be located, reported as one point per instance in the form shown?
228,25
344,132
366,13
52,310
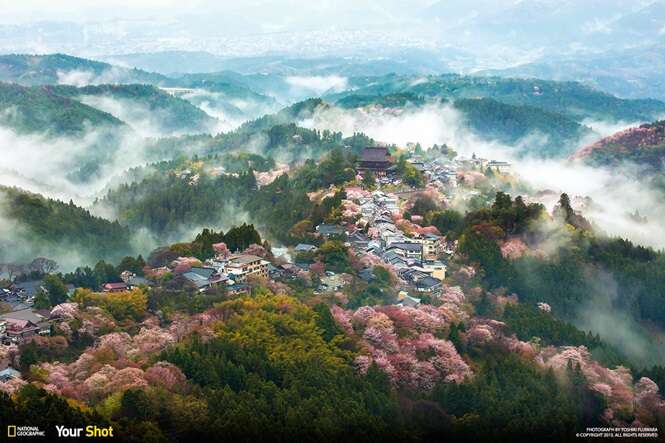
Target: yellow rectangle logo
11,431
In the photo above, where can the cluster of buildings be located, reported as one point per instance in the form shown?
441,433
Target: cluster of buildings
17,326
232,272
416,257
440,170
483,164
419,258
22,320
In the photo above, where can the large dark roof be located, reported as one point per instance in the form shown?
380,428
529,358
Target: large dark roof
203,272
406,246
376,154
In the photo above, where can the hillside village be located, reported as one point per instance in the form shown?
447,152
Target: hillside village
375,233
390,276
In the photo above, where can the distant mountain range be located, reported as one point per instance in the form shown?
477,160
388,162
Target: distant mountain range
551,26
495,108
225,95
65,69
571,99
412,61
631,73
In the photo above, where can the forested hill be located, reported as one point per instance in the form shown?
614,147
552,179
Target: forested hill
29,69
644,145
141,102
38,109
45,226
571,99
224,95
488,118
228,83
493,120
167,202
272,134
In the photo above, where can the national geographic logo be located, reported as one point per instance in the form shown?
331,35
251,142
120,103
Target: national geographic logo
62,431
24,431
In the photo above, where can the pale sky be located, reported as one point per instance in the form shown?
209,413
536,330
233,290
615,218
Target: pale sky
261,10
510,31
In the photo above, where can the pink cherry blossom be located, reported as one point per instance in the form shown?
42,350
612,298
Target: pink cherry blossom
127,378
67,311
221,250
12,385
149,341
362,316
453,294
8,356
257,250
615,385
119,342
184,264
401,343
166,375
317,268
342,318
480,335
514,248
362,363
603,388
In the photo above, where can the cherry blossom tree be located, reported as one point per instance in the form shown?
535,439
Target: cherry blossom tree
317,268
514,248
401,342
257,250
66,311
8,356
166,375
12,386
342,318
221,250
453,294
184,264
149,341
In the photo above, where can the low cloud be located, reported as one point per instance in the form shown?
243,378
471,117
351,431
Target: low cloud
318,85
616,192
230,112
79,77
145,121
601,313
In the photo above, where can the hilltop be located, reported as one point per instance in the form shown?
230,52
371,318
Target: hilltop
30,70
133,103
39,109
572,99
644,145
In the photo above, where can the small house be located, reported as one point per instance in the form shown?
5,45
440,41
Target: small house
304,247
114,287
